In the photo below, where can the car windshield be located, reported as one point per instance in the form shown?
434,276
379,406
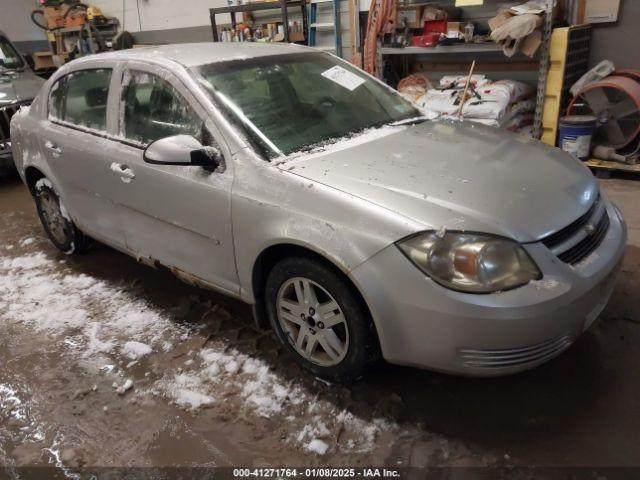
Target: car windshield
293,102
9,57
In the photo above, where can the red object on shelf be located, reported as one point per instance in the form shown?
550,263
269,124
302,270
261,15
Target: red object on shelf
426,40
435,26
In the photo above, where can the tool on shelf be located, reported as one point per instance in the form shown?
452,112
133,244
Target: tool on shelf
74,28
287,33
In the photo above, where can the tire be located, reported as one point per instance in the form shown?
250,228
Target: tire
55,220
339,336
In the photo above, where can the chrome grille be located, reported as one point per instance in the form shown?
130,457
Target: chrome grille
580,238
515,357
588,244
561,236
6,113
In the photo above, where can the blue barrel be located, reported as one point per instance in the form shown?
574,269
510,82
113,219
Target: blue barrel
575,135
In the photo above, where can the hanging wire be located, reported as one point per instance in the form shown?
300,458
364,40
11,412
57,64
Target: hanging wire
139,17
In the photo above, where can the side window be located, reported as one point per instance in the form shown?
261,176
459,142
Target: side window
80,98
56,96
153,109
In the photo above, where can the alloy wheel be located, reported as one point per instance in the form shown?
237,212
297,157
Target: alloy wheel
313,321
58,226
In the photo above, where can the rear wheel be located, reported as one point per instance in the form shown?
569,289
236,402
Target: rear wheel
59,227
317,316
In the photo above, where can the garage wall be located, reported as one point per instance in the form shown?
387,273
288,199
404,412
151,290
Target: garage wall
171,21
618,41
144,15
16,23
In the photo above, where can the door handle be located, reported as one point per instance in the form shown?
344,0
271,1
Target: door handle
123,171
53,147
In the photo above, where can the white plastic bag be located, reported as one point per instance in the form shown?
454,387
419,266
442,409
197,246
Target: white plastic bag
603,69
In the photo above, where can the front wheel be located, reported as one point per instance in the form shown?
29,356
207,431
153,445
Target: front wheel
59,227
317,316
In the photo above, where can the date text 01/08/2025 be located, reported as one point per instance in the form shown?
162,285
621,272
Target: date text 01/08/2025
317,472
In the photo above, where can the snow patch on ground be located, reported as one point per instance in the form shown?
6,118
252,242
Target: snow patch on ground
39,295
27,241
260,390
101,321
185,389
26,262
317,446
135,350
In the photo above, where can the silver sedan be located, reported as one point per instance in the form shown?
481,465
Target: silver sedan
291,180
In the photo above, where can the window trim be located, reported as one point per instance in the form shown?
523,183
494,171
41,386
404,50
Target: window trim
98,133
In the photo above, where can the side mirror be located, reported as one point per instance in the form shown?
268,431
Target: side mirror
182,150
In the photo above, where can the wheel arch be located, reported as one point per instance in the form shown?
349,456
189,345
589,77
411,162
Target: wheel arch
271,255
31,176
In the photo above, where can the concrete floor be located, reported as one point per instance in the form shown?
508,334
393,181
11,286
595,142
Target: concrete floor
58,406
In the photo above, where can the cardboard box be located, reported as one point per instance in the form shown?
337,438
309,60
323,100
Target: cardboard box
42,60
531,43
433,13
296,37
453,30
499,20
413,16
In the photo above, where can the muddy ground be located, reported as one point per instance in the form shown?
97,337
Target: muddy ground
208,389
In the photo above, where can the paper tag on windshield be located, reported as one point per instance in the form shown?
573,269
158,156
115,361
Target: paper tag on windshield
343,77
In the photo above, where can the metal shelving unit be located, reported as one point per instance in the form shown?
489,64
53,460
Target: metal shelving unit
547,29
282,5
449,49
490,52
95,37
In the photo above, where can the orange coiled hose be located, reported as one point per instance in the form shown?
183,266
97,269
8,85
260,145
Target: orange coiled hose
382,20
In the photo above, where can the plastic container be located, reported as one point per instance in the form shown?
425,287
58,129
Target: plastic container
468,32
435,26
575,135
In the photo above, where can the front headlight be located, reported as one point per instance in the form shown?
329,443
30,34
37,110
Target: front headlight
470,262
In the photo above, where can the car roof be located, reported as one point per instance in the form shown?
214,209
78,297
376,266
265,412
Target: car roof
194,54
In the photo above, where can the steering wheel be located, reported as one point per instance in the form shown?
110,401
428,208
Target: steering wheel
321,103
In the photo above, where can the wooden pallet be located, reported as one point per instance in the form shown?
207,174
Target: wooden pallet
606,167
568,57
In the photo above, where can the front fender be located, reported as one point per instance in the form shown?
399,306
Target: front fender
274,207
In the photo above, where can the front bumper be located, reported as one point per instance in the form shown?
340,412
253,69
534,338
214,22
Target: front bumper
423,324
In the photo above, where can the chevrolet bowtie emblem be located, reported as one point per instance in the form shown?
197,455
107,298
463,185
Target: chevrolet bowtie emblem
590,228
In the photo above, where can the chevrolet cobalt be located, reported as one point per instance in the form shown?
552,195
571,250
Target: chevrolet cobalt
354,226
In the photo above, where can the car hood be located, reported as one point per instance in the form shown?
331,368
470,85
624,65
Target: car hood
18,86
458,176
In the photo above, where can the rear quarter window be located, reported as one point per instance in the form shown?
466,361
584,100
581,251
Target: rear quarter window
80,98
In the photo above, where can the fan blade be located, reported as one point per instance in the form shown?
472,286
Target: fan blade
614,133
623,109
596,99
